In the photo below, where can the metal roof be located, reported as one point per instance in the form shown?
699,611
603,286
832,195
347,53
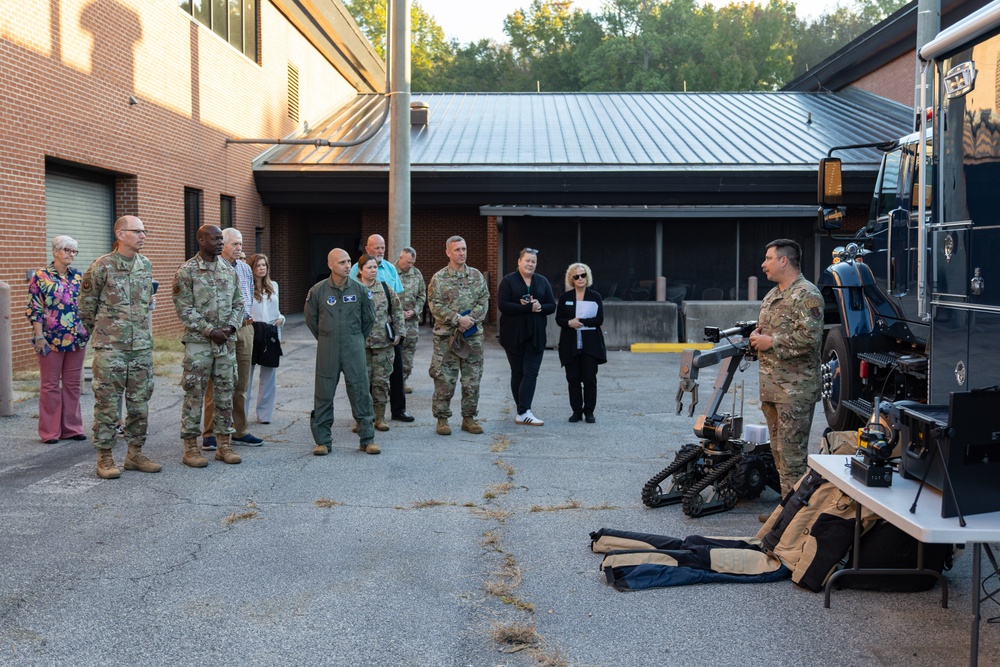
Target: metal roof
594,132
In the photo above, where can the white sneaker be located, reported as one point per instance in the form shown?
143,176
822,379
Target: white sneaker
529,419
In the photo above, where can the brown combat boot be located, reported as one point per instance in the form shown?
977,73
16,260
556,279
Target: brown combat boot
443,428
106,465
469,424
225,451
371,448
192,454
136,460
380,424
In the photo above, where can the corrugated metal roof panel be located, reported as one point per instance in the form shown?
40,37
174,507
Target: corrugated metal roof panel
606,131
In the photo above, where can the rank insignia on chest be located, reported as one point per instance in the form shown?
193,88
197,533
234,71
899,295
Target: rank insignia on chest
350,298
330,300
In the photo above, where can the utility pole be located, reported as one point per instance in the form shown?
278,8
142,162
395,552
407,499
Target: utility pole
399,131
928,26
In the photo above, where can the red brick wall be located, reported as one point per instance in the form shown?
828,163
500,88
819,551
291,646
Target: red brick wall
67,70
894,81
429,229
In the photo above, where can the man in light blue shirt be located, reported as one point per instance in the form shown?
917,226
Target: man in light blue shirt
388,274
386,270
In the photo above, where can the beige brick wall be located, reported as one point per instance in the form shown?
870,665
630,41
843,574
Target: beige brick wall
893,81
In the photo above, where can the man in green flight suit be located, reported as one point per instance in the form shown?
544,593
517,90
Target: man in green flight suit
340,313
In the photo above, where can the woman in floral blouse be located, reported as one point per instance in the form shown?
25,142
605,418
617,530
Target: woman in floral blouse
59,339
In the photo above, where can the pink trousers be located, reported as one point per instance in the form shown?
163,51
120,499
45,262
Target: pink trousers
59,415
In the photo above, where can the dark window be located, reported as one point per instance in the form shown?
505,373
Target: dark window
233,20
226,209
258,241
192,220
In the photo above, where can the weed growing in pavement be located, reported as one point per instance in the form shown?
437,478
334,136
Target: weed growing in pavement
506,467
326,502
515,634
494,490
493,513
500,443
420,504
234,517
491,540
568,505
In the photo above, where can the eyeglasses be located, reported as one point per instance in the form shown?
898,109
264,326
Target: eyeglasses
72,252
533,251
579,276
137,231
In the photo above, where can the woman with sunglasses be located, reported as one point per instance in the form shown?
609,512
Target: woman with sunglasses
59,339
580,314
525,299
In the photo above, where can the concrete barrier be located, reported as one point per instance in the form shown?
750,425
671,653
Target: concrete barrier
628,322
723,314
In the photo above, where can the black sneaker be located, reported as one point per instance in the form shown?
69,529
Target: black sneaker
208,444
250,440
575,417
589,417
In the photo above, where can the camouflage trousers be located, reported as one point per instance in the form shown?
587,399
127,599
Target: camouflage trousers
201,362
379,361
118,372
788,425
409,347
445,369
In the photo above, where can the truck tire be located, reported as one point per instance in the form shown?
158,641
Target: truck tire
844,383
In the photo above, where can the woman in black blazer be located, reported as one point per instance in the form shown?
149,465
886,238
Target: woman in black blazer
581,342
525,299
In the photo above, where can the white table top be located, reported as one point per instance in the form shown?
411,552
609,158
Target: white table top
893,504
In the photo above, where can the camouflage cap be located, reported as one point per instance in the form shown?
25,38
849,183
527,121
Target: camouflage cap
460,346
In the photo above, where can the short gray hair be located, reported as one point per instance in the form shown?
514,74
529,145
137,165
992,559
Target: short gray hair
229,232
63,241
409,251
453,239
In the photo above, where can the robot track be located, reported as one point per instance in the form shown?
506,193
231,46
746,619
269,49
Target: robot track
681,469
723,495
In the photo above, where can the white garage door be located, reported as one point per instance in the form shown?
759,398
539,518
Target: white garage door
80,206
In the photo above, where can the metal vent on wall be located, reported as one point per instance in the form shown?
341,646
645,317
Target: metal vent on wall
293,92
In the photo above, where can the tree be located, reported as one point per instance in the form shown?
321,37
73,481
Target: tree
430,52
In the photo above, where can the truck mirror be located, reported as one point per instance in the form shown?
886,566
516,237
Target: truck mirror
830,188
831,219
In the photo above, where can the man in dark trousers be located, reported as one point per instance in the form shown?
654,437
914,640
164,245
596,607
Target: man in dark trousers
340,313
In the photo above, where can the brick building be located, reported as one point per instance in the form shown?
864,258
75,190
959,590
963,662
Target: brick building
114,107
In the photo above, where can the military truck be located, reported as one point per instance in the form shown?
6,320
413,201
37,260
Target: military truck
913,301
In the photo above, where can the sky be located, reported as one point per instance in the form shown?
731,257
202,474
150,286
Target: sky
471,20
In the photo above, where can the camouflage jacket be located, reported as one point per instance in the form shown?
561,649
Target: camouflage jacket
790,370
414,296
387,309
114,301
452,293
207,296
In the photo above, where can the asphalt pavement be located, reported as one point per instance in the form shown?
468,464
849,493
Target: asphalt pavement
432,553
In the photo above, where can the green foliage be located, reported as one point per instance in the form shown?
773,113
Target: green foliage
430,53
631,45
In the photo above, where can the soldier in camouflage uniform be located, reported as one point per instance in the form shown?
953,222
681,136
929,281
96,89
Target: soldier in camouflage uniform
788,338
458,297
379,352
412,300
209,303
114,305
340,313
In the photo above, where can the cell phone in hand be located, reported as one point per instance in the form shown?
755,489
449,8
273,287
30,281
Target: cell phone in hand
45,350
